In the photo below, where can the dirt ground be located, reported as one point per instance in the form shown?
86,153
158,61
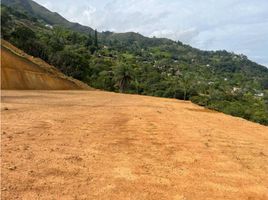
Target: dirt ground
99,145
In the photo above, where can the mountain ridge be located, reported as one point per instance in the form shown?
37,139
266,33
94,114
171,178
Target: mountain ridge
52,18
58,19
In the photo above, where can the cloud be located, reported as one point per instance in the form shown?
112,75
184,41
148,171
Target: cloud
235,25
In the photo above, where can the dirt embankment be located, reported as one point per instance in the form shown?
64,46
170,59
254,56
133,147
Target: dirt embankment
97,145
21,71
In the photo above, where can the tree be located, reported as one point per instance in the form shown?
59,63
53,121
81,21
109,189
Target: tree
105,80
92,43
96,43
71,63
73,37
186,81
26,39
5,19
23,34
56,40
123,74
89,42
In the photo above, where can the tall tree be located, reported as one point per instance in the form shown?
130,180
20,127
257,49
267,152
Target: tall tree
89,42
186,81
123,74
96,43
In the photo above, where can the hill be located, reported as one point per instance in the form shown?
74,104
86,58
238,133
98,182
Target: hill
102,145
132,63
21,71
40,12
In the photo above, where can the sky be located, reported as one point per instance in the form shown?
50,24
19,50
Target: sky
239,26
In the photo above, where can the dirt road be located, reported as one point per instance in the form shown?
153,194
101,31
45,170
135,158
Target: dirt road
100,145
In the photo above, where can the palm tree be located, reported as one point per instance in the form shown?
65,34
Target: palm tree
123,74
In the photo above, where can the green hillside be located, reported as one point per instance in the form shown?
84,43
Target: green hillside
132,63
40,12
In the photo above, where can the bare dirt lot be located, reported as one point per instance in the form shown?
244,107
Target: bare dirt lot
100,145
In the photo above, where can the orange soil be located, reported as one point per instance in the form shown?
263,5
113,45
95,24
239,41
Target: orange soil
21,71
100,145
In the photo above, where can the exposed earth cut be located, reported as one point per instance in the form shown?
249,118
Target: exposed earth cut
21,71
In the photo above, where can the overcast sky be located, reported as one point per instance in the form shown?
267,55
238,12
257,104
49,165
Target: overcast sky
240,26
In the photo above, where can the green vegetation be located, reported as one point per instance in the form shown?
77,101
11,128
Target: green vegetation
132,63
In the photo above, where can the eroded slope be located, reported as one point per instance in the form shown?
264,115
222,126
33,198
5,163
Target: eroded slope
21,71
